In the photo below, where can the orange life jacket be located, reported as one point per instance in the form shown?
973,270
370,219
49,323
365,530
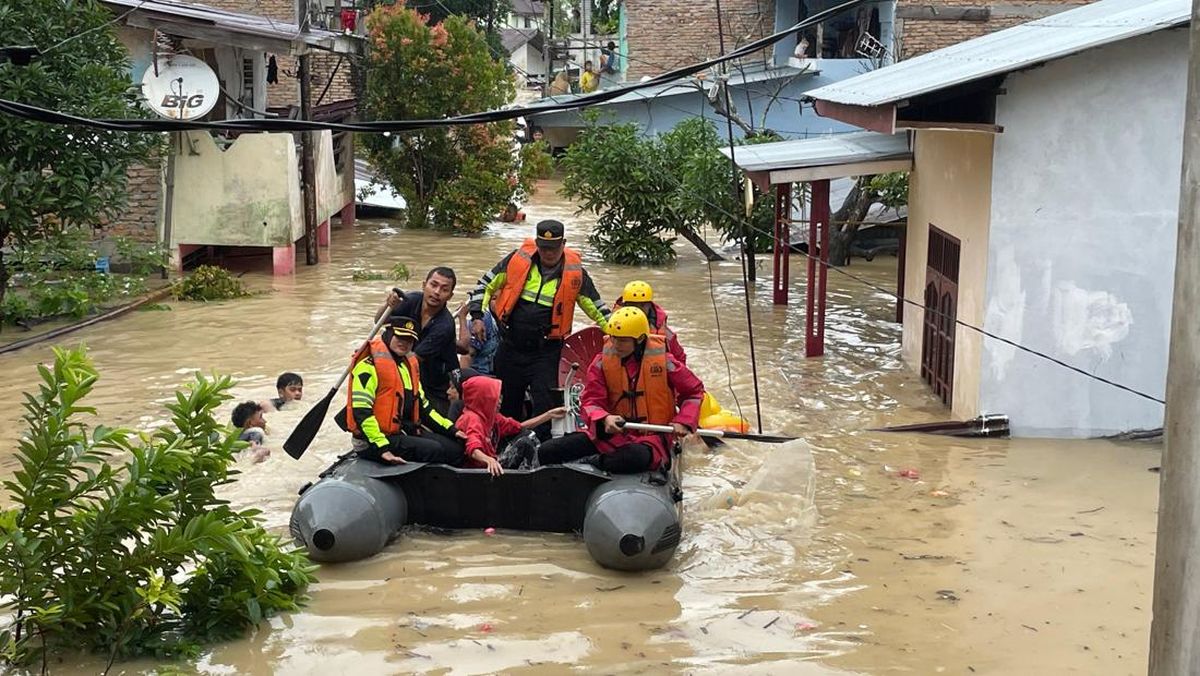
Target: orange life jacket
517,273
649,399
393,401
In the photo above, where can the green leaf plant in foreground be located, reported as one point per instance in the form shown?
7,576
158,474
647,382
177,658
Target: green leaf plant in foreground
117,542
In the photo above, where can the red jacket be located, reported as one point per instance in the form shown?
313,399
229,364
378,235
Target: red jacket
480,419
659,326
594,405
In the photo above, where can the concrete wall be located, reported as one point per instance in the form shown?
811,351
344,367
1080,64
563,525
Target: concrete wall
1085,195
246,195
950,188
333,192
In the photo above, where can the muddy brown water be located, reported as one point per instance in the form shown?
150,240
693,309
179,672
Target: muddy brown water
1021,556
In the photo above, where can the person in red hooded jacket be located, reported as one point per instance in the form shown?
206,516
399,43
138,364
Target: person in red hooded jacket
640,295
634,379
485,428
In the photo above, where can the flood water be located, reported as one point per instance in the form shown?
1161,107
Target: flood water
1006,556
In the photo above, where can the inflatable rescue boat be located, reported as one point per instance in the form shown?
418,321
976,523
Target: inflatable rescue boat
628,522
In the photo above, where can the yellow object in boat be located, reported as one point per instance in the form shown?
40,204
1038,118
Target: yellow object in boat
726,421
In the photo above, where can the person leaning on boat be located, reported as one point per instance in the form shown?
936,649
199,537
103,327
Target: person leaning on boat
634,379
640,295
532,293
386,405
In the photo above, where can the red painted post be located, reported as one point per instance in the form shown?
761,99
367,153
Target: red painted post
818,248
783,214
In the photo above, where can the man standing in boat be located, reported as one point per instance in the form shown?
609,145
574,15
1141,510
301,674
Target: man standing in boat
386,405
635,379
640,295
532,293
437,346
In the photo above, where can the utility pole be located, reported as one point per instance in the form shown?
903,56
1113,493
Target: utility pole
308,165
1175,631
549,50
585,28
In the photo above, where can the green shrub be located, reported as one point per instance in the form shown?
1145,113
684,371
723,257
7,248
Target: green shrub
367,276
116,542
209,282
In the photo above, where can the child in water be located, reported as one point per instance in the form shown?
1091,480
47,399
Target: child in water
248,417
486,429
290,387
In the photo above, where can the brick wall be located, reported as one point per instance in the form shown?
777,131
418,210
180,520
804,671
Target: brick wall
139,220
665,34
918,36
287,91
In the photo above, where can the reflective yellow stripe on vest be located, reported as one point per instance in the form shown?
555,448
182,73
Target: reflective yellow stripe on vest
536,292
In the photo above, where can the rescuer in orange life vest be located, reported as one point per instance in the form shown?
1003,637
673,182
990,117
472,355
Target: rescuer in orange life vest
386,405
532,293
638,294
634,379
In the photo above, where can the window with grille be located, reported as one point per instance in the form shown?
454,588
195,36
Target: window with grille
247,98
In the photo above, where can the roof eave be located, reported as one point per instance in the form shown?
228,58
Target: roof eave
873,118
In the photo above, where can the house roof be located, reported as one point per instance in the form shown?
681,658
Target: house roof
1015,48
527,8
687,86
512,38
251,31
822,157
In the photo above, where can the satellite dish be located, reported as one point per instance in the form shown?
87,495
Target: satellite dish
184,89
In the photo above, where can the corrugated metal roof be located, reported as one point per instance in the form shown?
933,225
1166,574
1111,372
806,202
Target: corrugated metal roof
236,23
1008,50
860,146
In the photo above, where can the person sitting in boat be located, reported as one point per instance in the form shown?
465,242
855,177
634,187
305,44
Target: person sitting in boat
486,429
634,379
638,294
386,405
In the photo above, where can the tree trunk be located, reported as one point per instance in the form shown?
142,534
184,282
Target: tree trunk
845,221
698,242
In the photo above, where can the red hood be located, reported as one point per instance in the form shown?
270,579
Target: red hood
481,396
660,315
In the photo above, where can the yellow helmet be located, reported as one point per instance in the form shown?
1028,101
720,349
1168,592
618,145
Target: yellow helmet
628,322
637,291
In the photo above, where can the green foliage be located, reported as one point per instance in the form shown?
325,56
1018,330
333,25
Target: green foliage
209,282
450,178
892,188
141,258
56,277
398,273
623,178
651,187
51,176
116,541
360,275
707,188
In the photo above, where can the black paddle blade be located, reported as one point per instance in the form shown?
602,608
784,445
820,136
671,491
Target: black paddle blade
761,438
297,443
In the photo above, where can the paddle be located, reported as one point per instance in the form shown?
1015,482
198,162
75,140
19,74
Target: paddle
306,431
718,434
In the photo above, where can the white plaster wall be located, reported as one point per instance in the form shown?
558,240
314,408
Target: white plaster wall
1085,193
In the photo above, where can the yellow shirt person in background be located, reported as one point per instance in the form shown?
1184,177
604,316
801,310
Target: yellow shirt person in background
590,79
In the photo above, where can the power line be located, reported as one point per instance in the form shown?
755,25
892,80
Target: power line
746,259
136,125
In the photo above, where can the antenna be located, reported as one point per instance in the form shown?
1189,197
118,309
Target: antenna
184,88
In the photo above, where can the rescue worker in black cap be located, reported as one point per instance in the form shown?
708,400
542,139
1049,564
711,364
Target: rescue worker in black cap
386,405
532,293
